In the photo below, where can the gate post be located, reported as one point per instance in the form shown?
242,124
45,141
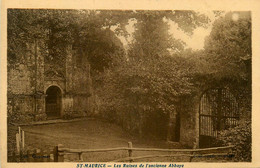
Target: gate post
58,156
55,154
130,151
197,121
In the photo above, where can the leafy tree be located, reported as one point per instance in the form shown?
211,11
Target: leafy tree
228,47
149,85
21,29
228,53
144,90
152,39
86,30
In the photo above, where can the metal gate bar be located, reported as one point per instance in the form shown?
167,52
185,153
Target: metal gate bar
218,110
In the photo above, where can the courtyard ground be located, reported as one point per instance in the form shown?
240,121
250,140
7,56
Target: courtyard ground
92,134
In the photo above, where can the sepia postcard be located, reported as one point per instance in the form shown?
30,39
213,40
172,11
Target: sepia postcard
130,84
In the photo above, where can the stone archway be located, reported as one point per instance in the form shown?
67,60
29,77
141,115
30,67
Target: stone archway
53,102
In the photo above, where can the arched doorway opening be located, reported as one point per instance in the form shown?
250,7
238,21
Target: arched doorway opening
53,102
173,134
176,129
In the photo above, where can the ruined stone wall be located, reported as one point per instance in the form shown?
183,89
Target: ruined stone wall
29,78
78,85
67,102
21,73
25,84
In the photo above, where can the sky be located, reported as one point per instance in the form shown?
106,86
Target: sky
194,41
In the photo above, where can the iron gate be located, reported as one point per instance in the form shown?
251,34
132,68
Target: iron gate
218,110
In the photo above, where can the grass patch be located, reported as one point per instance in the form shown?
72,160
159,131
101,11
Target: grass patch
91,134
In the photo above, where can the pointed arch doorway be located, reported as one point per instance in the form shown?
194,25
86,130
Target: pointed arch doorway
53,102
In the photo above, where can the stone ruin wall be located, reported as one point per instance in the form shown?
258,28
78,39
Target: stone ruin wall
27,84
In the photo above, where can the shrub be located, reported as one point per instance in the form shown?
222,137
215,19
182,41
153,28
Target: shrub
74,114
241,137
18,117
137,93
68,115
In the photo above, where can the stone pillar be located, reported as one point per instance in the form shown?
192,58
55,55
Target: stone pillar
39,97
39,65
172,125
67,102
69,70
189,131
196,106
40,107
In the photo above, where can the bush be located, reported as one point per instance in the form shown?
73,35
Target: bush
69,115
75,114
18,117
241,137
137,93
